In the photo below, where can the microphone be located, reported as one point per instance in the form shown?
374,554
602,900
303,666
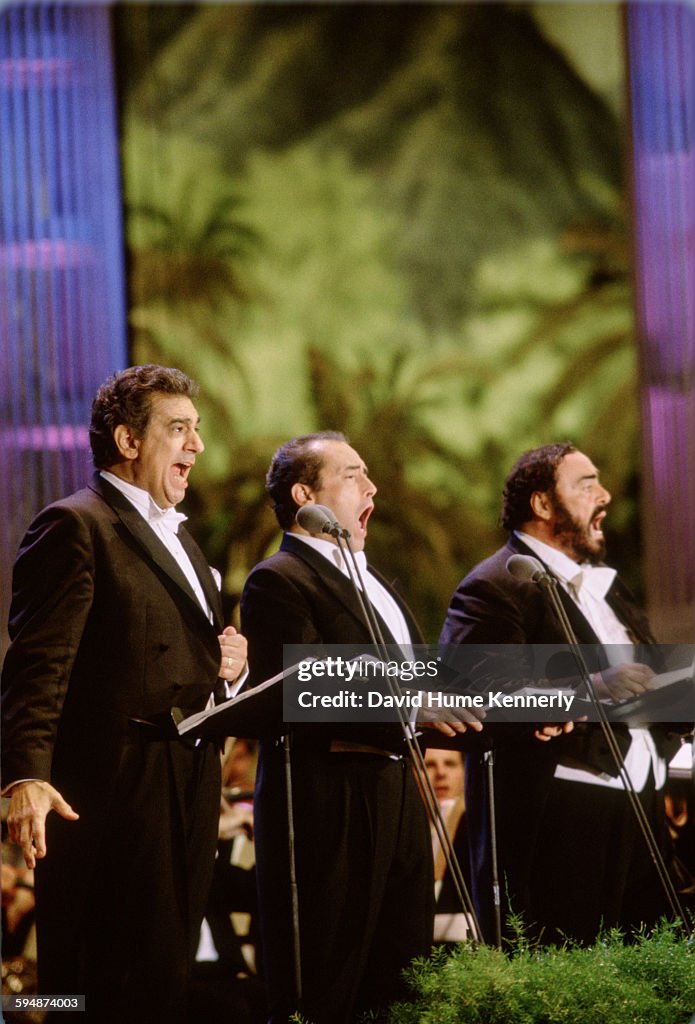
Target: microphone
318,519
526,567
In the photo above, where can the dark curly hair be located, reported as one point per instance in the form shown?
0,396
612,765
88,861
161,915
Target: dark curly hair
534,471
297,461
126,398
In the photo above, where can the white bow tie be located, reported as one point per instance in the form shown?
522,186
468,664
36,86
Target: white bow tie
168,517
594,579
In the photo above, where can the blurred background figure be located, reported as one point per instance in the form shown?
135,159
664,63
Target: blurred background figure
679,801
225,980
236,838
18,905
446,772
18,930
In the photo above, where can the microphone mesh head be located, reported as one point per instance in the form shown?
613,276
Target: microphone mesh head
315,518
525,567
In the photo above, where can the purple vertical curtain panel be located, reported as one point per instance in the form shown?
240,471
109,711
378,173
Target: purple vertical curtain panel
62,307
661,42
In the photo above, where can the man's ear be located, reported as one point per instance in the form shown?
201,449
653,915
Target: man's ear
302,495
128,445
541,505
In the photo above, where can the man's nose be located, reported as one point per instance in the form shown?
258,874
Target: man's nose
195,442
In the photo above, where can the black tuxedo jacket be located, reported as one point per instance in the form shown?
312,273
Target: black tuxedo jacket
491,607
297,596
105,630
353,833
103,626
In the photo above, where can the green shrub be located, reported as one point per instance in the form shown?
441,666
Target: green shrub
648,981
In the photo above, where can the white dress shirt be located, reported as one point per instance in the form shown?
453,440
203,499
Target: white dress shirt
165,523
588,585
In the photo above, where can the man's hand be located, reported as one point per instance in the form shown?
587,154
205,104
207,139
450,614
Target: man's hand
233,654
552,730
458,719
30,803
235,820
623,681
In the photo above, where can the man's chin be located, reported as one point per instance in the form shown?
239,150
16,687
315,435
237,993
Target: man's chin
172,499
594,553
584,548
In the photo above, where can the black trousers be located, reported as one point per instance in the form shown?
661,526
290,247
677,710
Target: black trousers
121,893
593,868
364,881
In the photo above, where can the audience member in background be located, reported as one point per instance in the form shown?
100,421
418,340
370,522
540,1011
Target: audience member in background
224,980
446,772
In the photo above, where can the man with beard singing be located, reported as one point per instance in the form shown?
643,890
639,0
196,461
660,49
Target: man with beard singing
570,856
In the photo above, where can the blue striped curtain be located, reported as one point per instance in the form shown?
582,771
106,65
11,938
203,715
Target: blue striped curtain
661,42
62,309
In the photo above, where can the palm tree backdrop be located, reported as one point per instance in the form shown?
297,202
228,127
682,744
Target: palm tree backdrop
405,222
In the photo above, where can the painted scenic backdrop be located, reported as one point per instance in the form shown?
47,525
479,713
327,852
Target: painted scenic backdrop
407,222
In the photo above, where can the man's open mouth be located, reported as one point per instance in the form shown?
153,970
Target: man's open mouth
597,521
364,516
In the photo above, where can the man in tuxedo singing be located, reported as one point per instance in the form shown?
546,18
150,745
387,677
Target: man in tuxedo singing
571,857
362,843
115,618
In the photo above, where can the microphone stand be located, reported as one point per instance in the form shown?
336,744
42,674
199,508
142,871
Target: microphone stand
294,890
342,536
549,585
489,762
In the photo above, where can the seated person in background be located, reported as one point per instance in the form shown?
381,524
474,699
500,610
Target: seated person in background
236,852
224,979
679,802
446,772
239,762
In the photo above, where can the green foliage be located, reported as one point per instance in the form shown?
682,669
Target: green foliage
401,223
191,249
650,981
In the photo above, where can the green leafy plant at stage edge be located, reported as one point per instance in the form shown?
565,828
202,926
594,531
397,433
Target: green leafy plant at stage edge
649,981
